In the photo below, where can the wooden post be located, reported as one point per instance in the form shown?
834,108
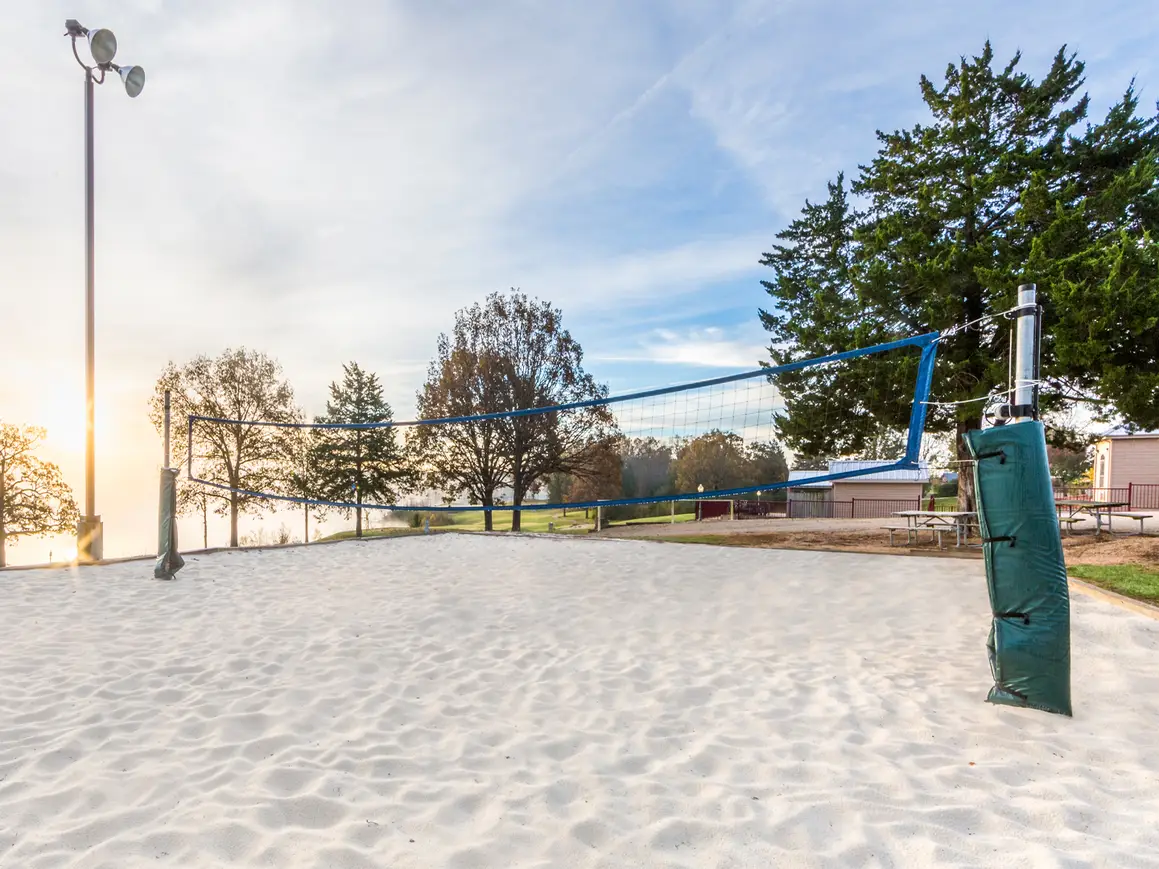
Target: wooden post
673,522
1130,495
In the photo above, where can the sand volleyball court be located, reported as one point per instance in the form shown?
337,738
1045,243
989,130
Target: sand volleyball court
457,701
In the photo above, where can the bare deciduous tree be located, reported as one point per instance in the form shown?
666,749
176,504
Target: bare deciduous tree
238,385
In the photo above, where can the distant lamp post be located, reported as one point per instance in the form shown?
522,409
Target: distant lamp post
103,48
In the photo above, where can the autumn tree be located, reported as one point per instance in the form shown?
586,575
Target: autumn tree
364,462
34,499
240,386
1000,186
542,367
1068,466
559,488
602,478
647,468
766,463
464,379
715,460
509,353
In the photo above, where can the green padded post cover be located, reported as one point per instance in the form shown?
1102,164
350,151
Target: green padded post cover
1030,636
169,560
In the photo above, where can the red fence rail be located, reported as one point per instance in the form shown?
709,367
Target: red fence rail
1143,496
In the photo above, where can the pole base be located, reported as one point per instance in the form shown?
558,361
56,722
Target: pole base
90,539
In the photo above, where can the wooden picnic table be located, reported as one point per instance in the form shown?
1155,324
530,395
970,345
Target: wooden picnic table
1091,508
935,520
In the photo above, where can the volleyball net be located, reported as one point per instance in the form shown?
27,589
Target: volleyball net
725,437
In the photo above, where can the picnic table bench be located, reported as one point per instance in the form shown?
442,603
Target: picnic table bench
1074,506
937,522
1138,517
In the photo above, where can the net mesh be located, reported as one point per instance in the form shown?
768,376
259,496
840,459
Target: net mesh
718,438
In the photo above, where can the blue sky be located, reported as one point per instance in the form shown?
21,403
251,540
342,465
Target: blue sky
328,182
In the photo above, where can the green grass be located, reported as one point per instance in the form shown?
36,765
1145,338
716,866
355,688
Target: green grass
656,520
949,502
535,521
373,532
1141,583
529,520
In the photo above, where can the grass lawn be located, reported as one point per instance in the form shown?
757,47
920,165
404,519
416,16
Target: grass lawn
529,520
656,520
1141,583
536,520
374,532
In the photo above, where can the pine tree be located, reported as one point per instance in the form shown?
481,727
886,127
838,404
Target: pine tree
996,190
359,465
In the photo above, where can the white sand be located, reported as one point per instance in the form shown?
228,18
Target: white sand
489,702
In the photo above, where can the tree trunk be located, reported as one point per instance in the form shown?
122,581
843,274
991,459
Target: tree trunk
516,499
967,500
306,510
204,523
358,484
233,519
488,516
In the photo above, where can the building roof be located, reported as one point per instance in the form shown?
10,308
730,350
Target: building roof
1120,431
920,474
805,475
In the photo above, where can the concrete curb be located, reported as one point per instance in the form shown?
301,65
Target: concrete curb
1113,597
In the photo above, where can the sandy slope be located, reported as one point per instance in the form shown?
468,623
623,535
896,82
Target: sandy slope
479,701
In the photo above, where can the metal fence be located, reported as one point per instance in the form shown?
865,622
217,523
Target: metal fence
1139,496
760,509
1133,496
1143,496
855,508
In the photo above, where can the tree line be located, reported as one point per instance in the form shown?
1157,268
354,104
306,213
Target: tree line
650,468
509,353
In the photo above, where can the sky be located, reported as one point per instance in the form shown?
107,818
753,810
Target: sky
328,182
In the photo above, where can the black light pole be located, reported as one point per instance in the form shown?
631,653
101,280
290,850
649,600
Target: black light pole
103,47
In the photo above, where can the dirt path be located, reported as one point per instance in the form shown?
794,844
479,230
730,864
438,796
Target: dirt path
867,535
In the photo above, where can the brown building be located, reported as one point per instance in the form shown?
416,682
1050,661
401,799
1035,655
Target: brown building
899,486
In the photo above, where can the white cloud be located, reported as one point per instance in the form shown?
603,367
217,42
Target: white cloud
711,347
